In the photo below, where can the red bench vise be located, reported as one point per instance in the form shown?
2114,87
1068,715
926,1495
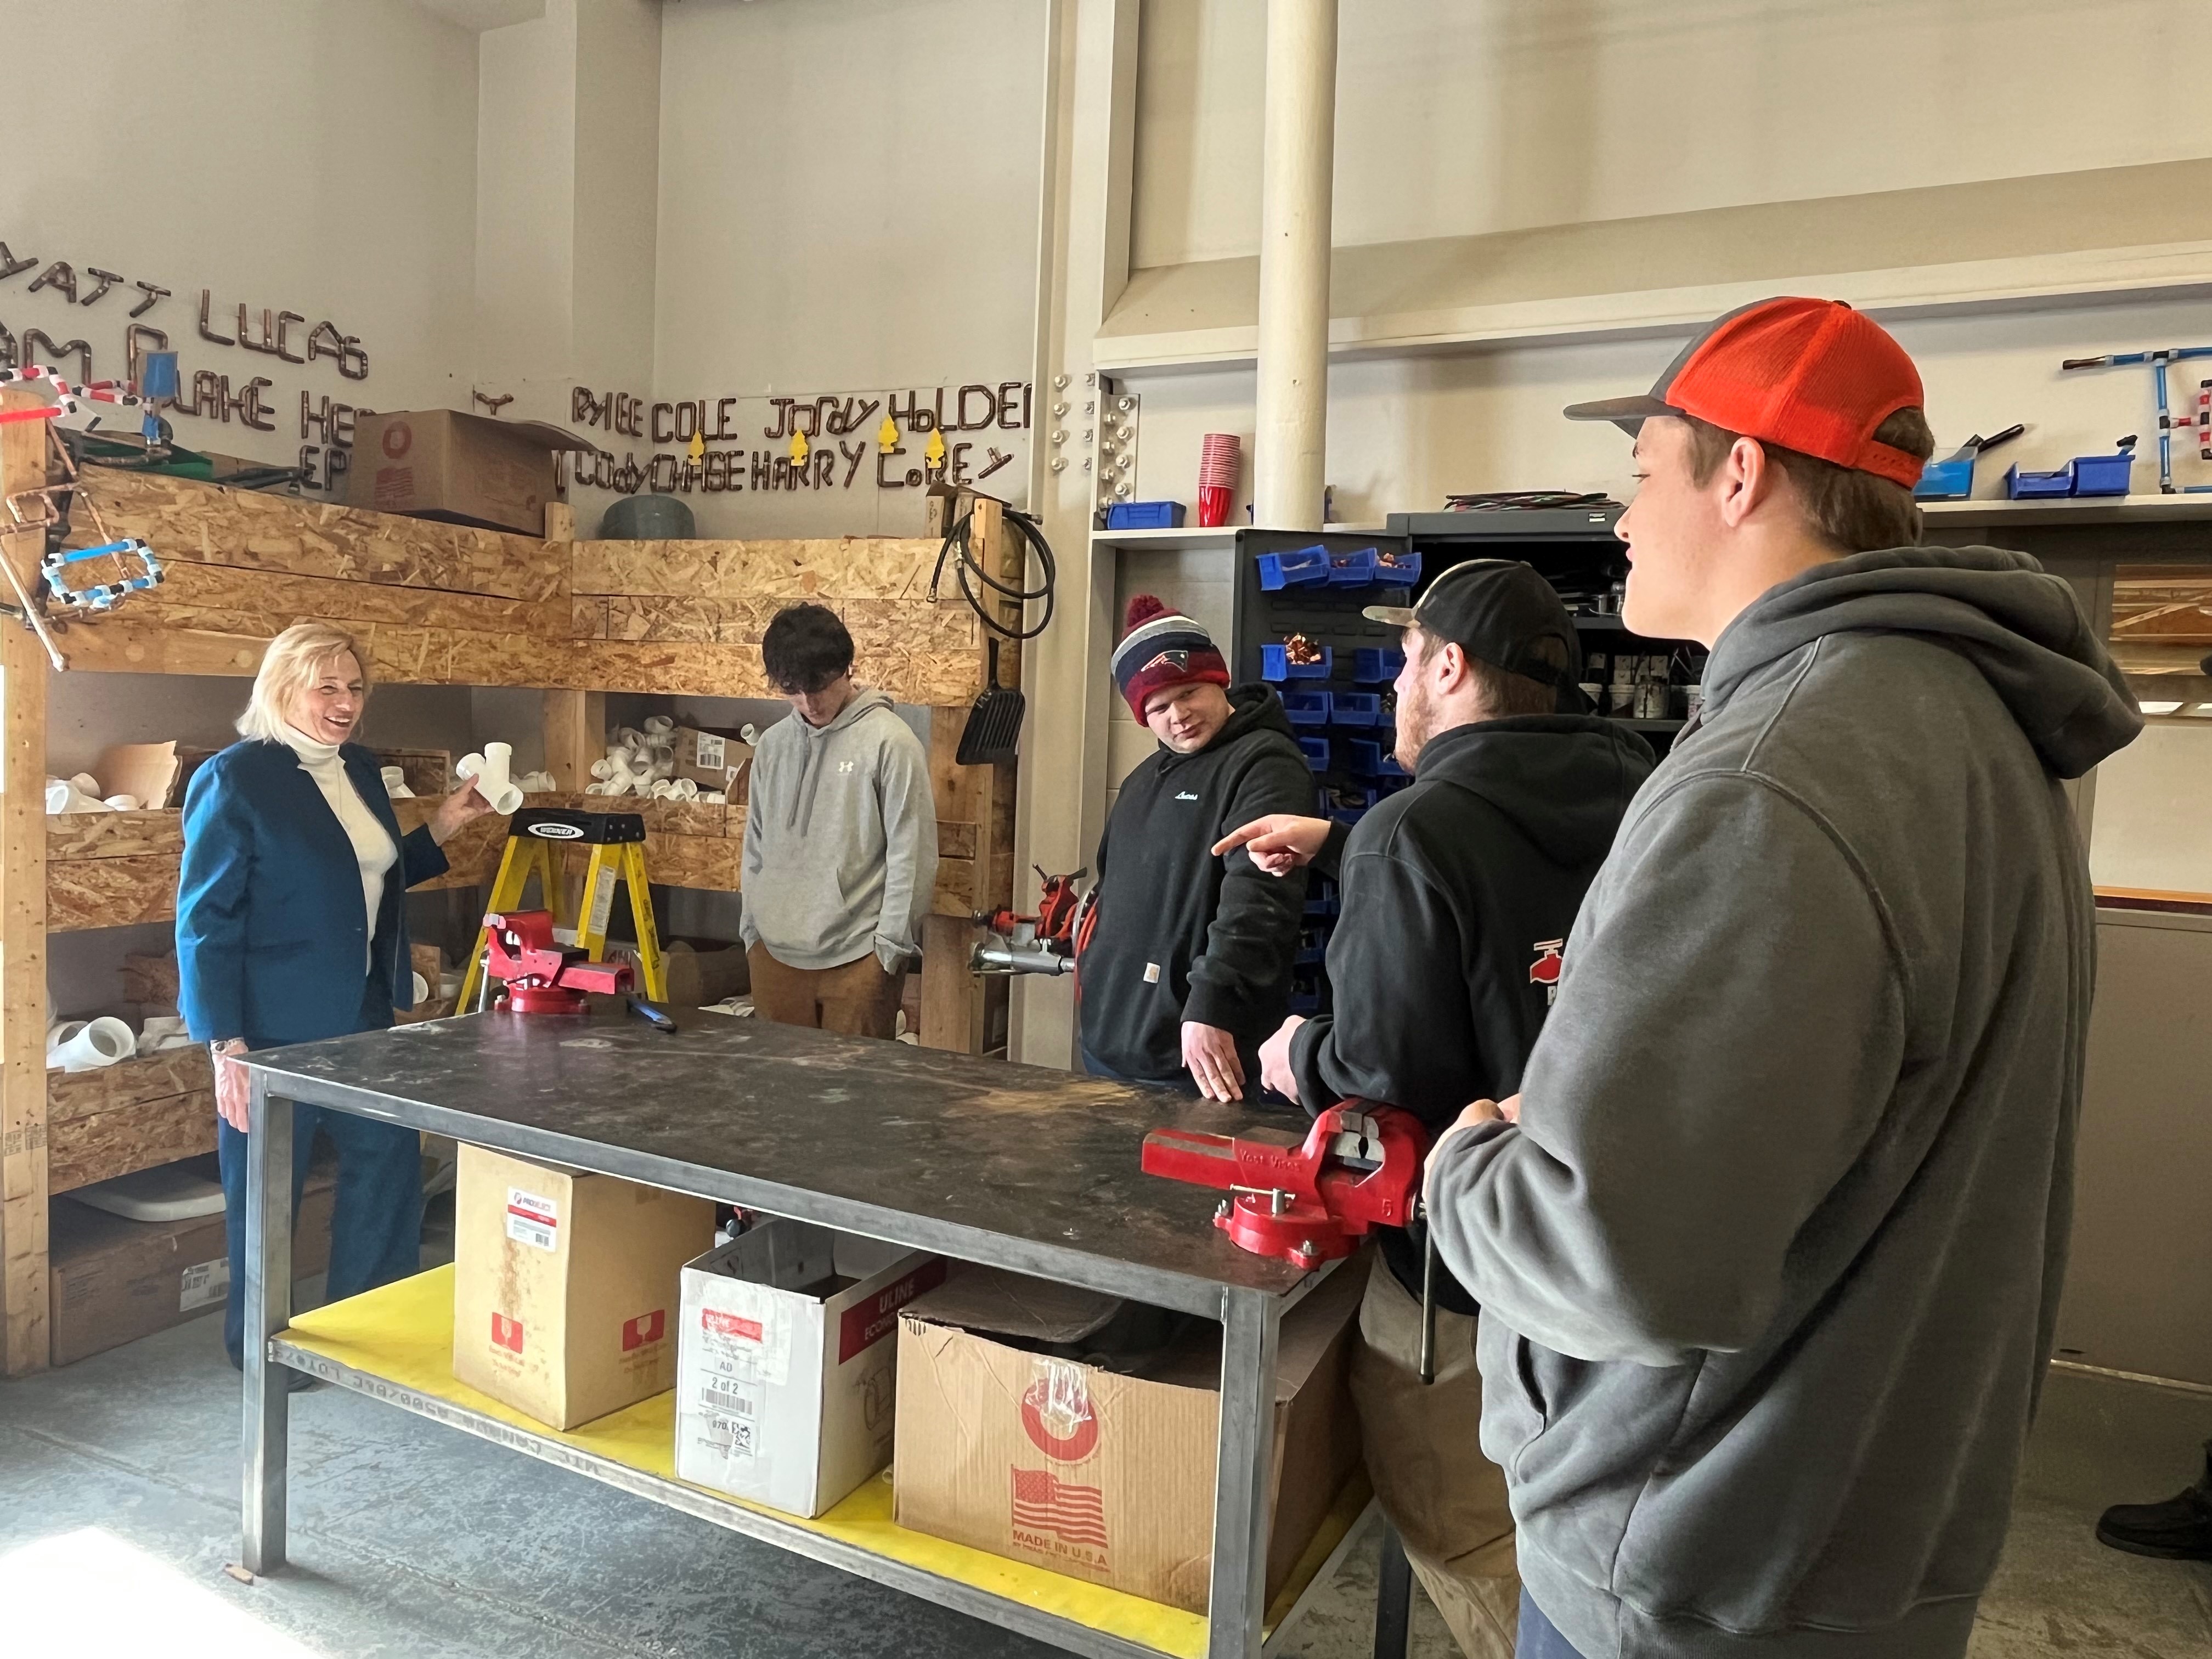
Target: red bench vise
1305,1202
541,974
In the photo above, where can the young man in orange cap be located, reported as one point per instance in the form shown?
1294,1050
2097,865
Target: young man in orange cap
1769,1245
1188,966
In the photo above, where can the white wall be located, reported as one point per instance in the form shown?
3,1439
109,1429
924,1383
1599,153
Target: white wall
317,157
1466,115
847,204
2152,826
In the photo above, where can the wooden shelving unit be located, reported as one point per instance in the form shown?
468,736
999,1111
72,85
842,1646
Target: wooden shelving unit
434,605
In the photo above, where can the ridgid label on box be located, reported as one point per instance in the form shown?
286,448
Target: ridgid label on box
532,1220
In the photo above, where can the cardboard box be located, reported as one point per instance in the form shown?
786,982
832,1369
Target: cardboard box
1106,1474
463,469
565,1285
712,759
112,1282
788,1356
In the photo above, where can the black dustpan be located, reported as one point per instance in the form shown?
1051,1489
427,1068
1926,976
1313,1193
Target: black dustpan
994,724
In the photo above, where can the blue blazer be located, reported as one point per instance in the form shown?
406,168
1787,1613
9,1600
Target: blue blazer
270,924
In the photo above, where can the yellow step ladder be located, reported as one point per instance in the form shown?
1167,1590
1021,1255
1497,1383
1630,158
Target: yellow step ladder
534,836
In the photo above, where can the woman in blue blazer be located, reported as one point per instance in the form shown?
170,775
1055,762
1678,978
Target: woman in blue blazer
292,925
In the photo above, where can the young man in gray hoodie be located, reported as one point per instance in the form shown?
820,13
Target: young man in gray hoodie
1769,1245
840,839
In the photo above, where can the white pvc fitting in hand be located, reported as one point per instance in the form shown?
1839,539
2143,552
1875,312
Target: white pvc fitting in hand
489,771
99,1043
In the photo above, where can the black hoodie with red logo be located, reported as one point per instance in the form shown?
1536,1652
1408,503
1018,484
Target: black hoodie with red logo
1456,894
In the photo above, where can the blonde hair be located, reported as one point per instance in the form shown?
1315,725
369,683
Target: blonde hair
294,659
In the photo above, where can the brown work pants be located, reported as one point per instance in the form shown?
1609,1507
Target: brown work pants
859,998
1446,1499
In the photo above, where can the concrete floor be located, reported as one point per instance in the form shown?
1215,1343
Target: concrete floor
118,1507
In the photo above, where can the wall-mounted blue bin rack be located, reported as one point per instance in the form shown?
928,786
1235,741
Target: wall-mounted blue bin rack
1352,570
1365,757
1305,999
1316,751
1397,569
1312,950
1303,567
1308,707
1371,667
1356,708
1321,899
1144,515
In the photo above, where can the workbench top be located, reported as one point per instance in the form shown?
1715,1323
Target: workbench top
1020,1166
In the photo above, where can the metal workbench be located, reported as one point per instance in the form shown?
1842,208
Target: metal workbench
1015,1166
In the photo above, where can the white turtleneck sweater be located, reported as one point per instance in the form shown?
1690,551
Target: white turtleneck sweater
372,845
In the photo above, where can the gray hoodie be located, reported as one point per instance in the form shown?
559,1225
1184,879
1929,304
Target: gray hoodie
1770,1266
840,839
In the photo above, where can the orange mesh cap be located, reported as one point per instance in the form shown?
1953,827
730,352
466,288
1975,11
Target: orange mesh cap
1812,375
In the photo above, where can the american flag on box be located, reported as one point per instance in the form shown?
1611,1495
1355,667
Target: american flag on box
1045,1503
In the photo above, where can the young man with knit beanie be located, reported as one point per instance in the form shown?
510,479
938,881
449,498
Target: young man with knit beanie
1769,1244
1188,966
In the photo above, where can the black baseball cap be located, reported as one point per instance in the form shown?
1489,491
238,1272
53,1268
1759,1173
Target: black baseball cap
1501,611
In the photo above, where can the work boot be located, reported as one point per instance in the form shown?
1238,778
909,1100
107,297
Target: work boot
2179,1529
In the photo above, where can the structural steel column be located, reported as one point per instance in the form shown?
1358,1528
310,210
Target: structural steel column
1297,165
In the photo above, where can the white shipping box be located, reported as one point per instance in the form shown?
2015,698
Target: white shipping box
786,1363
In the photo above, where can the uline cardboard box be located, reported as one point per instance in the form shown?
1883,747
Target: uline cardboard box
713,760
1106,1474
464,468
788,1354
566,1284
112,1281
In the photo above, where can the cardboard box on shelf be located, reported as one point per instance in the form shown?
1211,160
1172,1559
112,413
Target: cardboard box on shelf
713,760
566,1284
112,1282
787,1354
1107,1474
463,469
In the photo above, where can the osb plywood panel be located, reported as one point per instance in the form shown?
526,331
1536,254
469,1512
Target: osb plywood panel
850,567
114,835
224,599
151,981
211,524
105,1144
128,1083
110,892
435,656
878,627
955,888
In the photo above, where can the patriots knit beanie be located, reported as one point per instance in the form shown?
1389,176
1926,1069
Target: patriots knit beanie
1162,648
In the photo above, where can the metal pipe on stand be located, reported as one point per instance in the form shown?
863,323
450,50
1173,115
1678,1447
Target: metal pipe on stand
1296,167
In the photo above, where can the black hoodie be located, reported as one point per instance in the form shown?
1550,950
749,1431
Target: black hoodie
1770,1266
1456,896
1183,935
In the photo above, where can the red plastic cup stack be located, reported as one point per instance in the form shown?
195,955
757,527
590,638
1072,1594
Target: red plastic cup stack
1218,463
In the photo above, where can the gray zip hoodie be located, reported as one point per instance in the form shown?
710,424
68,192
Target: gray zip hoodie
840,839
1770,1266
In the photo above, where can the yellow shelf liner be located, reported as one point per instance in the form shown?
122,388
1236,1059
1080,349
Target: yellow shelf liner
403,1333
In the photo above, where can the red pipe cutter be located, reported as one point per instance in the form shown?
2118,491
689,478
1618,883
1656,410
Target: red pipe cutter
542,976
1310,1201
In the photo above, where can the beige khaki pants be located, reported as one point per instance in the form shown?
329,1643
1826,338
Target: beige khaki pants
1446,1499
857,998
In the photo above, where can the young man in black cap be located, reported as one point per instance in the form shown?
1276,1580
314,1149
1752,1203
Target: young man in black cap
1456,894
1768,1246
1188,964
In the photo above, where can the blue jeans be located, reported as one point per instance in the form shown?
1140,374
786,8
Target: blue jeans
1540,1638
376,1225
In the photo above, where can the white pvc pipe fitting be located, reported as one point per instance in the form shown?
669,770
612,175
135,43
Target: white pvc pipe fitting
65,797
91,1045
659,727
489,771
395,782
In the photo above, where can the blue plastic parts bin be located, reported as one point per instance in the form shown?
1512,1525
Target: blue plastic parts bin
1144,515
1308,707
1948,480
1303,567
1371,667
2035,486
1316,751
1367,757
1321,904
1356,708
1305,999
1308,671
1354,570
1390,769
1310,951
1398,570
2102,475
